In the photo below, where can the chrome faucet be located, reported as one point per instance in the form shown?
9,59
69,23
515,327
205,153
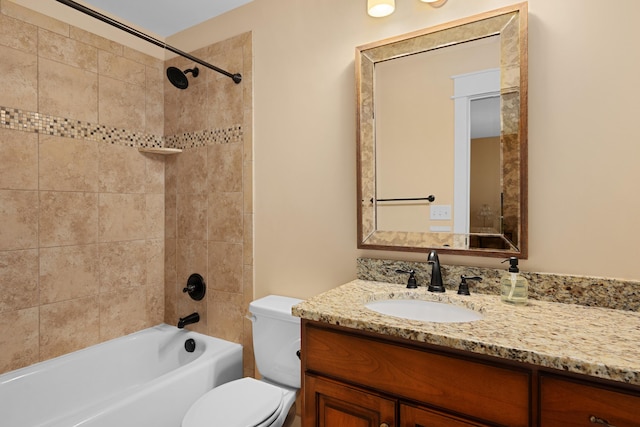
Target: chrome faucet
436,275
192,318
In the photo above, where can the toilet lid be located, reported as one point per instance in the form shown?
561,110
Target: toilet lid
243,402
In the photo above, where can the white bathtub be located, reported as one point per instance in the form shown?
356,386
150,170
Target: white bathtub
146,379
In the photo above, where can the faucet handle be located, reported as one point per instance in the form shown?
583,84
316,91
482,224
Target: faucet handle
463,289
411,283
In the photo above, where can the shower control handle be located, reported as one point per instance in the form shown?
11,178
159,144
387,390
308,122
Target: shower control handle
195,287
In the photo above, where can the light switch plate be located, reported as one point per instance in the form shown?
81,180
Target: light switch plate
440,212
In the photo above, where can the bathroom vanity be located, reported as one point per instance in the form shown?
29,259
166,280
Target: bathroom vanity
546,364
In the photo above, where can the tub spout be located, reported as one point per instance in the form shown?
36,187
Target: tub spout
192,318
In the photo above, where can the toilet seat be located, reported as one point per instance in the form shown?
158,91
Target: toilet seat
246,402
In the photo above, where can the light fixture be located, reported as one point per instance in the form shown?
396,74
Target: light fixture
434,3
380,8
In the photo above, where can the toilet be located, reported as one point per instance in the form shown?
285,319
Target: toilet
249,402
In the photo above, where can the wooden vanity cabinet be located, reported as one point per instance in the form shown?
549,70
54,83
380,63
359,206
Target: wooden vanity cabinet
427,388
359,379
569,402
337,404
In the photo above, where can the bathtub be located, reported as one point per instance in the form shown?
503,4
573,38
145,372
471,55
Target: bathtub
146,379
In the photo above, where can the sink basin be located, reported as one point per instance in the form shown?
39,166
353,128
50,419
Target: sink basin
426,311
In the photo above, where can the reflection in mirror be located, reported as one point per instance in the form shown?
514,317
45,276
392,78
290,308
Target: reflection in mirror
442,113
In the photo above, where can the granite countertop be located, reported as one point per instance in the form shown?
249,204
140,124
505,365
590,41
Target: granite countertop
599,342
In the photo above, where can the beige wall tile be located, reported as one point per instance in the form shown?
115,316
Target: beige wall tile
247,240
191,257
18,219
155,173
19,160
225,315
122,169
248,358
155,307
154,111
192,171
154,251
185,109
155,77
68,326
66,91
224,103
170,281
122,217
18,34
142,58
121,104
68,51
18,280
170,216
24,14
155,281
225,267
171,174
96,41
154,217
68,272
67,164
225,167
68,218
225,217
19,339
122,265
192,216
120,68
247,285
247,186
19,72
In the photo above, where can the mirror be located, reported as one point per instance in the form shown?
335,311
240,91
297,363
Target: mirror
442,138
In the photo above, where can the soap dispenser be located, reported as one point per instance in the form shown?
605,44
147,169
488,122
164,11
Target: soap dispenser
514,288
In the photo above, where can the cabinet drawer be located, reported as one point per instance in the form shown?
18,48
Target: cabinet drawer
498,395
568,403
330,404
411,416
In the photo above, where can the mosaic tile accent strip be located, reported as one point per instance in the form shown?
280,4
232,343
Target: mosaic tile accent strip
581,290
205,137
29,121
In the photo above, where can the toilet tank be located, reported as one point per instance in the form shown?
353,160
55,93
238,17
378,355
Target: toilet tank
276,339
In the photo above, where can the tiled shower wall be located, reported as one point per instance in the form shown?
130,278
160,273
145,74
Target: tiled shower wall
82,212
209,212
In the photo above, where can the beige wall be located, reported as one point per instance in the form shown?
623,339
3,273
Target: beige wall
583,151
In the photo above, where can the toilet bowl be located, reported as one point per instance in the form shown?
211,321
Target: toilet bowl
249,402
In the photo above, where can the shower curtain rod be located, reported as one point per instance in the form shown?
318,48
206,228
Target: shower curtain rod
237,78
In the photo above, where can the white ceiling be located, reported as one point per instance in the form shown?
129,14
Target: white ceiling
165,17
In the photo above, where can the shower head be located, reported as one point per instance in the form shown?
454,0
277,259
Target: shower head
178,78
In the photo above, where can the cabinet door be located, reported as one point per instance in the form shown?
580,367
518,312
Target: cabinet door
567,403
412,416
333,404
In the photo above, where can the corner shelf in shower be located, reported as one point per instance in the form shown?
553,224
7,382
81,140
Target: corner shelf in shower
159,150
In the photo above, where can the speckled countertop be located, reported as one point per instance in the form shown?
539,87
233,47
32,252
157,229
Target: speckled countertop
595,341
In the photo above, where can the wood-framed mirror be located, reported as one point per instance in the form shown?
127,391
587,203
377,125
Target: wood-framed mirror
442,138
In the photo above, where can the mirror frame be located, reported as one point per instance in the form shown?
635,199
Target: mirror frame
511,24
